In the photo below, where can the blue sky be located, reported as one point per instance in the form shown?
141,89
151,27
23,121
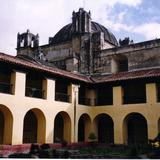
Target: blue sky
137,19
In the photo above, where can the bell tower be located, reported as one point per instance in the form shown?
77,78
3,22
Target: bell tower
27,43
81,21
81,40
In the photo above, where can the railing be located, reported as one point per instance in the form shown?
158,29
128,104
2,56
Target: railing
158,97
133,99
84,101
104,101
6,88
34,92
62,97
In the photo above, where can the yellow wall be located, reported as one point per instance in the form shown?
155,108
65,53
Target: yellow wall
17,105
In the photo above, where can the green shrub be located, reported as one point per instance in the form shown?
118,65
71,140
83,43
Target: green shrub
34,149
20,155
66,154
55,154
133,153
92,137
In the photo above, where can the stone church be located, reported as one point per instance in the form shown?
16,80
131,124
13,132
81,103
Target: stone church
82,81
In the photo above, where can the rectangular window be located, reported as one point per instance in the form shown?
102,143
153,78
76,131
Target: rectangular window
61,91
82,96
34,85
134,92
104,95
5,80
158,91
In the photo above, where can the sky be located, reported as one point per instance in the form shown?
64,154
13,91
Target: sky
137,19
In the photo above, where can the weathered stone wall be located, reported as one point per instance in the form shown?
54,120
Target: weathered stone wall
98,42
57,52
102,63
139,55
144,58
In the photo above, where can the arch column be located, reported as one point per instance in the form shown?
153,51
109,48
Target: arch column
49,129
94,128
17,131
152,127
119,135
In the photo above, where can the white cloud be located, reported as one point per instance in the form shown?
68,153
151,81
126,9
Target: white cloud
133,3
121,16
47,17
148,30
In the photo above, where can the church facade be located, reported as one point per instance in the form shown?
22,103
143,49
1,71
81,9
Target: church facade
82,81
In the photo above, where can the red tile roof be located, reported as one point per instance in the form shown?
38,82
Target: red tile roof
121,76
129,75
51,70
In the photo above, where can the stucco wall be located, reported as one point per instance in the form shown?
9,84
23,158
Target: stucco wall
140,55
17,105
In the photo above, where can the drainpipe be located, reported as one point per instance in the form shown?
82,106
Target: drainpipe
75,115
75,110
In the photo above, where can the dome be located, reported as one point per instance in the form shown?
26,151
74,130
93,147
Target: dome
65,34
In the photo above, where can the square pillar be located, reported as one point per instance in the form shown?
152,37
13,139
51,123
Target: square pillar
18,79
151,93
49,129
118,132
152,127
117,96
17,131
74,100
49,88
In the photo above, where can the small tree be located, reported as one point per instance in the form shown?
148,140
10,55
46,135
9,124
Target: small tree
92,139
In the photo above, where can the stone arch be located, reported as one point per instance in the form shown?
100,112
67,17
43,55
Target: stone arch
6,125
34,128
135,129
104,127
62,127
84,127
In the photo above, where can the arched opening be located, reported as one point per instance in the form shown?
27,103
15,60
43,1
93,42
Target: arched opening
58,128
158,126
30,128
84,127
6,124
34,127
1,127
105,126
136,131
62,127
119,64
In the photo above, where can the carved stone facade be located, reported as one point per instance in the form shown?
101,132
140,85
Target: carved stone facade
89,48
